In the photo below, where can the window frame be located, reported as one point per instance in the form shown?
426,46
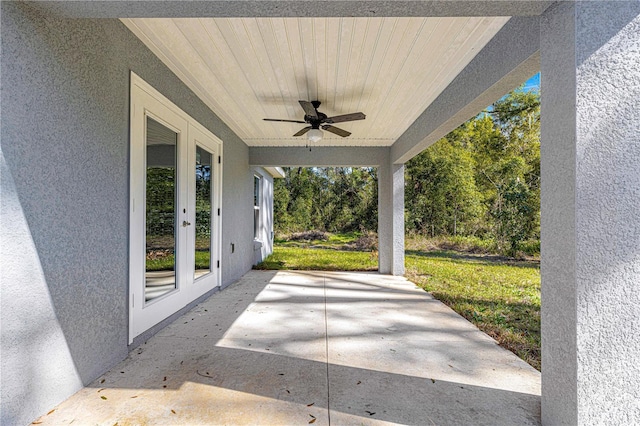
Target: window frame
257,207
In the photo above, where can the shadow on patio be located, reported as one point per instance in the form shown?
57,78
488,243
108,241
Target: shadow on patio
313,347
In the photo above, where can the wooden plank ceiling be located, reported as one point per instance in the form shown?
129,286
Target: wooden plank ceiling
246,69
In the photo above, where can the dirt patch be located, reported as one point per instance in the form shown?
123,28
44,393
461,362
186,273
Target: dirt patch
308,236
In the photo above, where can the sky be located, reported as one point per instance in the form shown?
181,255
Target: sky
533,83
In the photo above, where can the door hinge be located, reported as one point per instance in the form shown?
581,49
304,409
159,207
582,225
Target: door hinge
218,263
218,212
219,159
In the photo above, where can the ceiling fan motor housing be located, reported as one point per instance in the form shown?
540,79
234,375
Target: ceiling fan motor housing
316,121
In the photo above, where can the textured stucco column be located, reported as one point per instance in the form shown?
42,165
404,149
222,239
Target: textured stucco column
391,218
590,160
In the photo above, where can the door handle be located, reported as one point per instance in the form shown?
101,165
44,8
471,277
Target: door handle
185,223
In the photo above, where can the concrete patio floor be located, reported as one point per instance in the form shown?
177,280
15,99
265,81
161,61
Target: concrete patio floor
313,348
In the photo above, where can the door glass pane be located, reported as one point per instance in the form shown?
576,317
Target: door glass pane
162,143
203,212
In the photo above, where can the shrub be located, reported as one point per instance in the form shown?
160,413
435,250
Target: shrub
530,247
368,241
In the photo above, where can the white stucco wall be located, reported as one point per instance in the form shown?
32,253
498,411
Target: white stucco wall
65,200
590,162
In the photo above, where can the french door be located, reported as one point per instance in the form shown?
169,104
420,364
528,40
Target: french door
174,209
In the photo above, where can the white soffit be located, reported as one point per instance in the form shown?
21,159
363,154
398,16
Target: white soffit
276,172
246,69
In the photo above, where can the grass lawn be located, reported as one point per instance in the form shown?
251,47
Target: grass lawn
319,259
165,261
500,296
334,241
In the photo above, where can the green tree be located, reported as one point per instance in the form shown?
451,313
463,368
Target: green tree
336,199
497,156
513,221
440,192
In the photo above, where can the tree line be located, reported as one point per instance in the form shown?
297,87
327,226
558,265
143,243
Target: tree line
481,180
338,199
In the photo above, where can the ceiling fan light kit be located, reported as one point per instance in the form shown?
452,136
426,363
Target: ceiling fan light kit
314,135
317,119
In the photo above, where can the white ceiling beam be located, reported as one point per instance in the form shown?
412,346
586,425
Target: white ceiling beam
506,62
321,156
292,8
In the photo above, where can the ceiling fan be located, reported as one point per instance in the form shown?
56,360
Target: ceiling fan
318,120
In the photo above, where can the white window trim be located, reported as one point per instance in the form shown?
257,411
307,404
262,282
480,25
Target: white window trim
258,208
140,93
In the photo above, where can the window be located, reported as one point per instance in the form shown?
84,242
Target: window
257,185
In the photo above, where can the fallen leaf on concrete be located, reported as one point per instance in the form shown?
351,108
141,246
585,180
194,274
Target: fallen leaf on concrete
287,390
103,397
51,411
433,381
134,396
358,382
370,413
173,411
165,379
312,421
100,390
36,423
102,381
309,405
204,375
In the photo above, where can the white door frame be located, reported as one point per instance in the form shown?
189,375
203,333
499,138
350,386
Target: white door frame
148,102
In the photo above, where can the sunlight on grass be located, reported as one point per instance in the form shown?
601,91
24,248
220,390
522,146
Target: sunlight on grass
335,241
319,259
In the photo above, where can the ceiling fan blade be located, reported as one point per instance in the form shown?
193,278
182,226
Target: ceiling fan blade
285,121
336,130
302,131
308,109
346,117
